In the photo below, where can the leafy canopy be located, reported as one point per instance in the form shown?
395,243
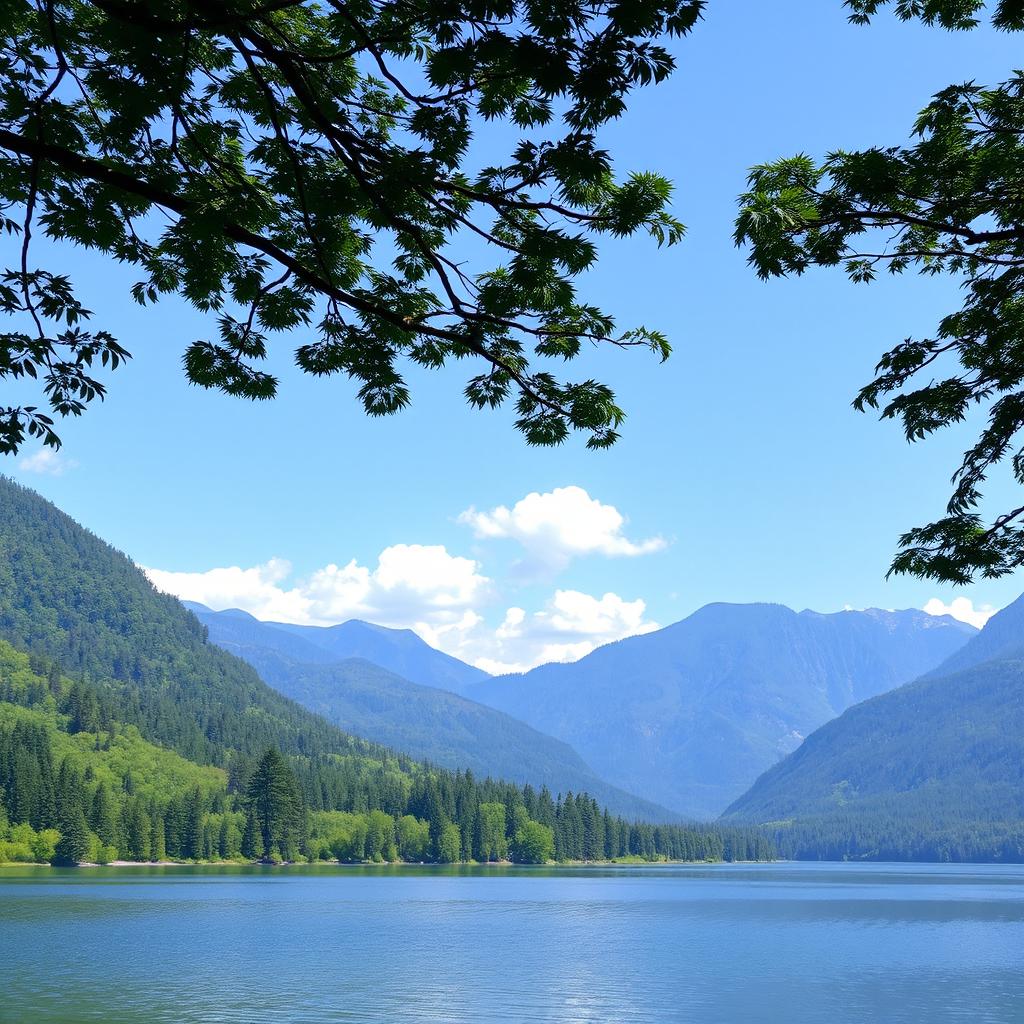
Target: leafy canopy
951,203
293,166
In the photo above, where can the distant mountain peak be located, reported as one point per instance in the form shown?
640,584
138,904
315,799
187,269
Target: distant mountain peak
691,714
401,651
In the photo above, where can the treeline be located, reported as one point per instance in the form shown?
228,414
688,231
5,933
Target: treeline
76,784
885,837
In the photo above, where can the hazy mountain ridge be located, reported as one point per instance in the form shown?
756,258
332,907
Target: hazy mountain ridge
425,722
691,714
400,651
932,770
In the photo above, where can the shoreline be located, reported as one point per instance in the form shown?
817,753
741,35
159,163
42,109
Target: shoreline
384,864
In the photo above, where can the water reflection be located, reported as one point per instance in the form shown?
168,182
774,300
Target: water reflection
769,943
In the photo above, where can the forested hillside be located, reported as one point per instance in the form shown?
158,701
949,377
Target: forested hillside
427,723
77,785
124,733
692,714
931,771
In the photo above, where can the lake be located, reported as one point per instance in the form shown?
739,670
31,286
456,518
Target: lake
723,944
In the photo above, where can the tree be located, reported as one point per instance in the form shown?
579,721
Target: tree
534,843
949,203
157,843
276,807
449,847
137,830
380,837
73,845
413,838
101,815
289,166
192,834
252,840
491,823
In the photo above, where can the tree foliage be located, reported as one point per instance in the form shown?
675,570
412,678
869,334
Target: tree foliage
302,167
276,807
950,203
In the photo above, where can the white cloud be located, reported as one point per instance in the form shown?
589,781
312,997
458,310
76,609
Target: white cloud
415,585
962,608
45,462
571,625
423,588
559,525
257,590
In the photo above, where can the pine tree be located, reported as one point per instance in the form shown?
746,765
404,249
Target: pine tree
157,841
277,807
192,833
101,816
73,845
252,840
223,837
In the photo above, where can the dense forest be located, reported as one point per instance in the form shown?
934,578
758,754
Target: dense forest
886,833
77,784
125,734
930,771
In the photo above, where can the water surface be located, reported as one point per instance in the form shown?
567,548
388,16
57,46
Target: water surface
752,944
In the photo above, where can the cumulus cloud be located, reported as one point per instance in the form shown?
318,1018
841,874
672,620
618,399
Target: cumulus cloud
257,590
45,462
961,608
570,625
559,525
412,585
423,588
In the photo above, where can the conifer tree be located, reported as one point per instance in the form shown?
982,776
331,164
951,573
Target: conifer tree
101,815
192,836
73,845
252,840
276,803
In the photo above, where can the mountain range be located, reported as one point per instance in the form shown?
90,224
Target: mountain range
399,651
933,770
876,734
329,671
690,715
125,733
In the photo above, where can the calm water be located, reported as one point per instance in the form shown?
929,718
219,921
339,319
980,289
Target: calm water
828,944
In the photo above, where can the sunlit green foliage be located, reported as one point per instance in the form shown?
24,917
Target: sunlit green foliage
307,168
948,204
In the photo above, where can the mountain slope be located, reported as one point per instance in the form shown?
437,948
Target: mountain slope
932,770
68,596
424,722
690,715
1002,639
399,651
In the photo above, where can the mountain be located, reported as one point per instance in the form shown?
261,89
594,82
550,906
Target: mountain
69,597
1001,639
400,651
690,715
426,723
122,729
931,771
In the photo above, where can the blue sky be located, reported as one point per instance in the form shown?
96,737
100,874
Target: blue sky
743,473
